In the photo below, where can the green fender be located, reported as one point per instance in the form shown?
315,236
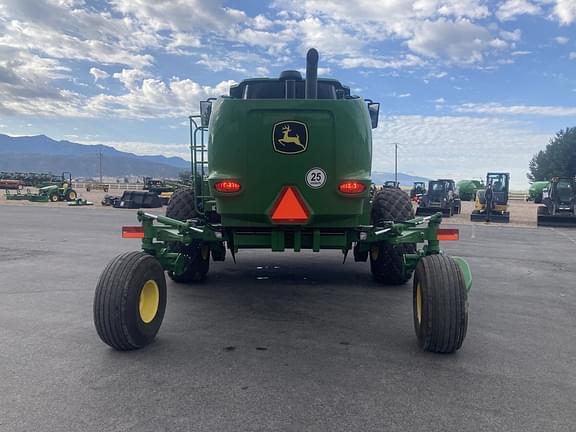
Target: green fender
465,269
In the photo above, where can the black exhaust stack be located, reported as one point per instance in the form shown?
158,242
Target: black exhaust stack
312,74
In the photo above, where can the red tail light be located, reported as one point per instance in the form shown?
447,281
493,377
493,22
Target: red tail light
351,187
227,186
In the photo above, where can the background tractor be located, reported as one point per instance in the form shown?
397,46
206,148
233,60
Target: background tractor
61,191
418,189
391,184
284,164
467,189
441,197
559,201
536,190
492,203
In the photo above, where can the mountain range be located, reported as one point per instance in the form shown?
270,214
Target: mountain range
43,154
40,153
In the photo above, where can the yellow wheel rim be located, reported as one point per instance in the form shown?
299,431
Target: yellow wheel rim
418,303
72,195
149,301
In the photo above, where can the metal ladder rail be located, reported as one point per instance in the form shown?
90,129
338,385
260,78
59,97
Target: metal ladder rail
199,157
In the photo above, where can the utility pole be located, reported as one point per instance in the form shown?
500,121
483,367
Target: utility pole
396,163
100,152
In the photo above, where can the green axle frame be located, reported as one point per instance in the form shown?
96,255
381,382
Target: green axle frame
158,231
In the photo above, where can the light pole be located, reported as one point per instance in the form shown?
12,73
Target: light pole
100,158
395,161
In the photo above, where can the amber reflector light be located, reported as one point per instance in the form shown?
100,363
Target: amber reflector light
447,234
133,232
290,208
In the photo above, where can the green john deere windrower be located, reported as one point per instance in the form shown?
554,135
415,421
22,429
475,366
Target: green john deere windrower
284,164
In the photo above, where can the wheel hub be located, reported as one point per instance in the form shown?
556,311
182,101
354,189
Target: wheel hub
419,303
149,301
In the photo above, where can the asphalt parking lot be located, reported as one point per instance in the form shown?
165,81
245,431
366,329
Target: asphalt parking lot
290,342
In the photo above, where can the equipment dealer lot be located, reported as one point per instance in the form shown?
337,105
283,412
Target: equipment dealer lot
282,341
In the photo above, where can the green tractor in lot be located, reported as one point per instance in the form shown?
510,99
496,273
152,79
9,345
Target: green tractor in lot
284,164
61,191
536,191
467,189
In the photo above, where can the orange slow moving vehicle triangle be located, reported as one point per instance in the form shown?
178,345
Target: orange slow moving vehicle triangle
290,208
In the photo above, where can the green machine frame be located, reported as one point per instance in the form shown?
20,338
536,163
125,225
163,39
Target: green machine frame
130,296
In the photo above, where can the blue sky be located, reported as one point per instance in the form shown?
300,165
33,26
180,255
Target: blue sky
466,86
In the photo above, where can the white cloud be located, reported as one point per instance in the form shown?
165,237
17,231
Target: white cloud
565,11
260,22
130,78
513,36
457,147
378,63
459,41
404,95
98,74
184,16
154,98
498,44
329,38
496,108
437,75
520,53
572,55
561,40
180,42
144,98
512,8
62,31
439,100
274,41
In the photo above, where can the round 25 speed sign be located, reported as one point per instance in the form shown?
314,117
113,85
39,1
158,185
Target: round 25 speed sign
315,178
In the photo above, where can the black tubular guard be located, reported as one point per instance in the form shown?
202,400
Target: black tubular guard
427,211
493,217
557,221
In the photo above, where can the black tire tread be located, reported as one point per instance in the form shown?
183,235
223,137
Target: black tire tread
444,316
181,207
110,296
391,204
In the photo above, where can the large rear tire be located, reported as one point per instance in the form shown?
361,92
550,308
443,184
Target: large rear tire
70,195
181,207
440,304
130,301
386,260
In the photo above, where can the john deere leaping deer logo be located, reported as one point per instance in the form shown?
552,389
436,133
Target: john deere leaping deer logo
290,137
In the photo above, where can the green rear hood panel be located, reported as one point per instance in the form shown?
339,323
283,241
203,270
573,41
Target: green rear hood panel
241,147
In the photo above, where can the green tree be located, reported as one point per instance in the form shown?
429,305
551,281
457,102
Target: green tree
557,159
